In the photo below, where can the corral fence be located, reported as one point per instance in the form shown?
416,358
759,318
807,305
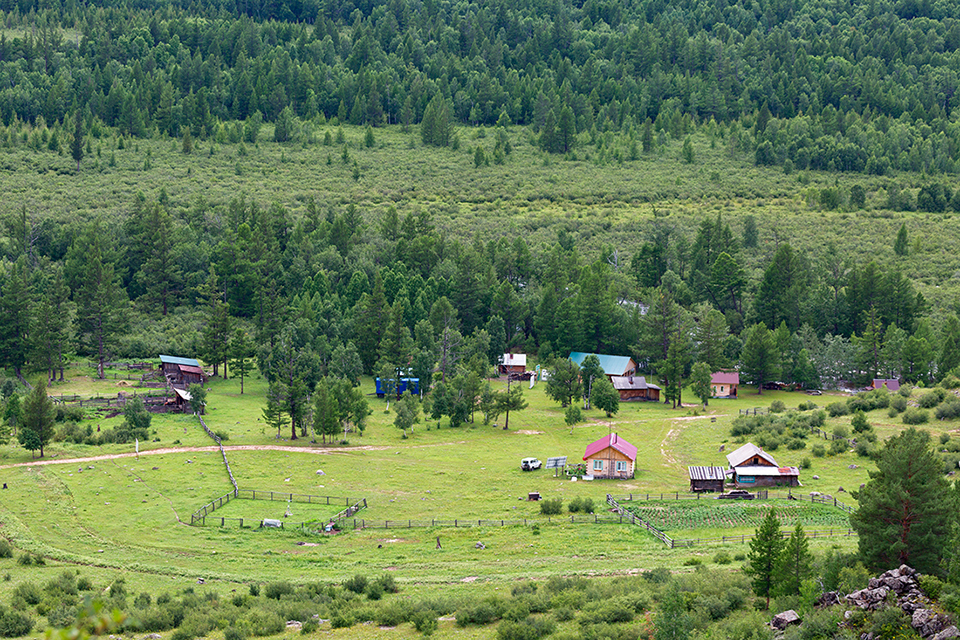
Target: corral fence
120,400
673,543
456,523
199,516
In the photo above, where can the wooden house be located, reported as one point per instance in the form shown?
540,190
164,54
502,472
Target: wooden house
751,466
707,478
611,457
611,365
723,384
182,372
889,383
513,363
635,388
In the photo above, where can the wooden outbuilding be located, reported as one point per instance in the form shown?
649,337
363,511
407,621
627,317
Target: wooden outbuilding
513,363
751,467
724,384
182,372
611,457
635,388
611,365
707,478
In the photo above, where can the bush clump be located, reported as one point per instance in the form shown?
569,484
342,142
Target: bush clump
932,398
552,507
14,624
581,504
6,551
948,410
915,416
837,409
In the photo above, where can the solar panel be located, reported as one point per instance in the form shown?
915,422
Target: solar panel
558,462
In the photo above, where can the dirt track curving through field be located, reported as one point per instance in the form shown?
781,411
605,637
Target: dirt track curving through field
211,448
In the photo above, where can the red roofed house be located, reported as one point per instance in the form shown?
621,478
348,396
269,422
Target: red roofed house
751,466
723,384
611,457
890,383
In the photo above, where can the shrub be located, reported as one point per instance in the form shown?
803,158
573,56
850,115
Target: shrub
392,614
805,463
722,558
25,559
944,439
840,431
837,409
932,586
809,405
14,624
481,613
234,633
818,450
777,406
266,623
948,411
62,616
425,621
659,575
692,562
6,551
276,589
905,391
915,416
30,593
838,446
588,505
930,399
859,422
528,629
575,505
84,584
865,449
795,444
899,403
552,507
254,590
357,584
308,627
388,584
374,591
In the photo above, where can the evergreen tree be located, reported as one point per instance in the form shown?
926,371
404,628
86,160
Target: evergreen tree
671,620
198,398
687,151
160,273
241,348
900,245
326,410
870,343
700,376
949,347
101,303
136,421
54,329
793,565
510,400
436,127
217,332
590,373
759,359
16,309
76,144
766,549
678,355
38,417
907,509
408,413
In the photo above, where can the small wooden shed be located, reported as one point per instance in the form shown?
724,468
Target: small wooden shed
635,388
182,372
513,363
611,457
707,478
724,384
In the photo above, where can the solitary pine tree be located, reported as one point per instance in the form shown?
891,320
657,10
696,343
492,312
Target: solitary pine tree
605,397
900,245
759,356
765,550
76,145
38,417
700,376
907,508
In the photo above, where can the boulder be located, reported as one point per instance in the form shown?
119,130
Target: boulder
929,623
948,633
828,599
782,620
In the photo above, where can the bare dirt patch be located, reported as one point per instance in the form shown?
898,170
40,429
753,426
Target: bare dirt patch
470,579
528,432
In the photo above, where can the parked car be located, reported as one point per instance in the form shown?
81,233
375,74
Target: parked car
736,494
529,464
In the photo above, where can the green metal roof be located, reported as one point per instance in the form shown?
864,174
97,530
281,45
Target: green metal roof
190,362
612,365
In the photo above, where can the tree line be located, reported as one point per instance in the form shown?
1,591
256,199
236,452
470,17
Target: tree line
863,88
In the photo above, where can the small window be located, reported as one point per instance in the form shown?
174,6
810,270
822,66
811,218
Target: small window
598,465
621,465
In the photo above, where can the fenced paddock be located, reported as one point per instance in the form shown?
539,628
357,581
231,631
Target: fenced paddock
201,515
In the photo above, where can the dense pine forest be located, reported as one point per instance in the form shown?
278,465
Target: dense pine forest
365,175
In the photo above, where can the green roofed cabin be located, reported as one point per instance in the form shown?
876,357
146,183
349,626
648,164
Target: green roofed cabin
611,365
182,372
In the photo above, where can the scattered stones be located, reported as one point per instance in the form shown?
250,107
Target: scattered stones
320,472
294,624
479,545
782,620
816,477
852,466
828,599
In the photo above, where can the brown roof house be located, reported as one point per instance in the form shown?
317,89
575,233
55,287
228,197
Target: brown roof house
723,384
611,457
182,372
751,466
707,478
891,384
635,388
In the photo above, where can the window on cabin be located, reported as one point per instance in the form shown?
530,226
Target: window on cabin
598,465
621,465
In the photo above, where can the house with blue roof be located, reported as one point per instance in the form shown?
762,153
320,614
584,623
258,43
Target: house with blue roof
612,365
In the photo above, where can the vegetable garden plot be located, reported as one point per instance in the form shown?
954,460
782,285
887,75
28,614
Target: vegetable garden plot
700,515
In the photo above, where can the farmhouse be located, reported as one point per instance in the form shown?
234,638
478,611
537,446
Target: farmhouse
751,466
723,384
707,478
182,372
611,457
513,363
611,365
890,384
635,388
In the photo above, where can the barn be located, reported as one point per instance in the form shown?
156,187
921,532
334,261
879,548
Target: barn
182,372
635,388
611,457
707,478
751,466
513,363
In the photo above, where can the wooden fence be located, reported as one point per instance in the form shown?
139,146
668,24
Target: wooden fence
119,400
673,543
199,516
